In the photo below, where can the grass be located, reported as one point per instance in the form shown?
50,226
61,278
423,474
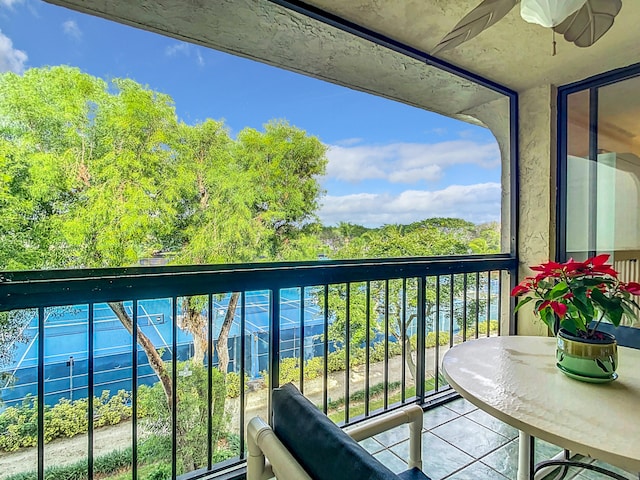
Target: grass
376,399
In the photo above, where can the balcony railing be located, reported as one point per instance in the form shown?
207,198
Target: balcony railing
359,338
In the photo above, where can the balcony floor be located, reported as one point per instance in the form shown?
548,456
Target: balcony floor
461,442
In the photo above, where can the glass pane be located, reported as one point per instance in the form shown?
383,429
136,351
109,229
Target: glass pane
578,175
618,218
603,170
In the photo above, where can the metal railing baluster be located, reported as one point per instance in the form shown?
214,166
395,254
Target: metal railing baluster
403,338
499,303
274,344
465,287
451,310
301,349
210,327
90,387
347,342
477,304
437,329
243,346
174,386
367,353
421,329
386,344
325,352
41,399
134,392
488,319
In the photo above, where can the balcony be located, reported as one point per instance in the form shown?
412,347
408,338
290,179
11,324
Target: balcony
359,338
291,323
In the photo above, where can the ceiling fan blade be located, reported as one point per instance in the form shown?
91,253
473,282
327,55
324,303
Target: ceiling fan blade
590,23
477,20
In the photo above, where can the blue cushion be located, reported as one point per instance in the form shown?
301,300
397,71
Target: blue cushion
625,336
319,445
413,474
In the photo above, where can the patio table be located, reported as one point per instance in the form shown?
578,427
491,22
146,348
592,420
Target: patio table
515,379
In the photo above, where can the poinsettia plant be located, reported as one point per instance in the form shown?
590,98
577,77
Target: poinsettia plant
571,295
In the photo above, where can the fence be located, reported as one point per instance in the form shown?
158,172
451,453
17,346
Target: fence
358,337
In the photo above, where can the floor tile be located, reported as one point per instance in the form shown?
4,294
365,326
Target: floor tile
591,475
393,436
545,450
439,459
371,445
492,423
438,416
470,437
504,460
572,474
391,461
461,406
477,471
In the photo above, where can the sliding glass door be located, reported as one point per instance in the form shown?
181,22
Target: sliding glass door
599,170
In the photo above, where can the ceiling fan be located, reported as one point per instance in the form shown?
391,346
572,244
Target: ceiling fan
582,22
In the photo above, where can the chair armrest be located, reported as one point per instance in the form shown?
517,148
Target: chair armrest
412,415
261,442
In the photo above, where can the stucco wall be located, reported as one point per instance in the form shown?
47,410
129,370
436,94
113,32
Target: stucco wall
495,116
537,188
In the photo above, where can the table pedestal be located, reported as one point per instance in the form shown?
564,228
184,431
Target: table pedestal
524,456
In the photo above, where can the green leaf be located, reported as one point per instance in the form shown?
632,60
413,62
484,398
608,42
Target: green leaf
594,282
558,291
583,306
521,303
548,317
628,310
569,325
615,315
599,298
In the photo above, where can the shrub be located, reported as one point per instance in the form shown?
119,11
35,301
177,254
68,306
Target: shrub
19,424
192,413
162,471
482,328
430,342
102,465
233,384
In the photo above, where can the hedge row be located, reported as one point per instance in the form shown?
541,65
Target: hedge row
19,425
153,451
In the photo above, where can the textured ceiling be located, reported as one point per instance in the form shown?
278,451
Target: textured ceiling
512,52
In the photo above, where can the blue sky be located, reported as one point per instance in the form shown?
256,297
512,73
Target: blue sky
388,162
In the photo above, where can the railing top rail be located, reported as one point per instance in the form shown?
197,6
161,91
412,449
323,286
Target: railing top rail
29,289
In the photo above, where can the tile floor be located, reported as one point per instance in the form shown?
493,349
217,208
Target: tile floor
460,442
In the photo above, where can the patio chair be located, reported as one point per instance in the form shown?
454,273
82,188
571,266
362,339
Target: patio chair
305,444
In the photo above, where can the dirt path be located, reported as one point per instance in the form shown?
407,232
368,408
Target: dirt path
65,451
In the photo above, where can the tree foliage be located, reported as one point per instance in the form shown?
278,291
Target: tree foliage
99,174
395,300
104,174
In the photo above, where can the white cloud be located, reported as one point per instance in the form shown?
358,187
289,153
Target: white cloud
11,59
9,3
407,162
477,203
173,50
348,142
71,29
185,49
199,58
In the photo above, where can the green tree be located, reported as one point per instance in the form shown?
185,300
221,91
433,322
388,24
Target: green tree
103,175
252,198
432,237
